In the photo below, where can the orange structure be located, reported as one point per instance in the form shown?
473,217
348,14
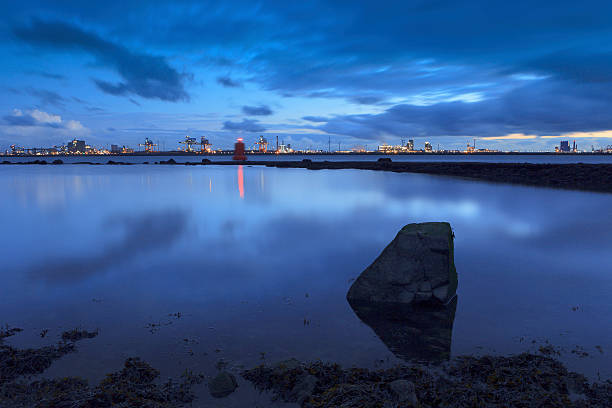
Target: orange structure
239,150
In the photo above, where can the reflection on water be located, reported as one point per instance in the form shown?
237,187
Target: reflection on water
412,333
141,235
247,271
240,182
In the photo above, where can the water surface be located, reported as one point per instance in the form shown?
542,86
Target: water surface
184,266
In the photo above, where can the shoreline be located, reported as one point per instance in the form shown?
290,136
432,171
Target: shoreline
525,379
571,176
323,154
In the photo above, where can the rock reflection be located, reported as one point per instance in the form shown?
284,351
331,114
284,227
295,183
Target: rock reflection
412,333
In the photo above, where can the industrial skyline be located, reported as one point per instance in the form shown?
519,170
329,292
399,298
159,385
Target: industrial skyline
261,145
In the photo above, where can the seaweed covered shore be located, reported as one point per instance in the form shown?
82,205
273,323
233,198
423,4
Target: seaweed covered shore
135,385
524,380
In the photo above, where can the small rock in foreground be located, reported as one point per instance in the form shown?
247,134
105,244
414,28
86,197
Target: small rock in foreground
77,334
222,385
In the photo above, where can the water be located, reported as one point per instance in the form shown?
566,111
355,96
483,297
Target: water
489,158
257,261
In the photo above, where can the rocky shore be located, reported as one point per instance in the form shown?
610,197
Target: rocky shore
135,385
524,380
578,176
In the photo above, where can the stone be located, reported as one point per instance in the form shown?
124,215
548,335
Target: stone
222,385
403,391
416,267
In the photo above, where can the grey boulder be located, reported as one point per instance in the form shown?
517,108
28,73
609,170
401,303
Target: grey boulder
416,267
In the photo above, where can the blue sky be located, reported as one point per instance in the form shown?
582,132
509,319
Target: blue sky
514,75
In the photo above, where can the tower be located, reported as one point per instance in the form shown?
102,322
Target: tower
239,150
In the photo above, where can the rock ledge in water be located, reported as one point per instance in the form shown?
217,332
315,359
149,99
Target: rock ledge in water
416,267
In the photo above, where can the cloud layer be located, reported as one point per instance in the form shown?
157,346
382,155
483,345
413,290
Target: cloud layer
142,74
39,118
247,125
261,110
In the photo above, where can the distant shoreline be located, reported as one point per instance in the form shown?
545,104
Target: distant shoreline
231,152
572,176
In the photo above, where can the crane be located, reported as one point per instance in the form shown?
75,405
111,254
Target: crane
148,145
205,145
188,142
262,145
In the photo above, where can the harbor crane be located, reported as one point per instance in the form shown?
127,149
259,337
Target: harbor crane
262,145
188,142
148,145
205,145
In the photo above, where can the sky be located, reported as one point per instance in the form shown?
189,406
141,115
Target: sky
519,75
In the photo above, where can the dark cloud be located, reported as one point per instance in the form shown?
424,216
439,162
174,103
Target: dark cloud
542,108
95,109
46,74
20,120
145,75
47,97
367,100
141,234
247,125
228,82
581,66
261,110
316,119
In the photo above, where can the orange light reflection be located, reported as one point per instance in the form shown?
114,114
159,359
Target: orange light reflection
240,181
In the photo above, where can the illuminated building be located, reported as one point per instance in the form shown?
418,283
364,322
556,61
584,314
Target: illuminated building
76,146
564,147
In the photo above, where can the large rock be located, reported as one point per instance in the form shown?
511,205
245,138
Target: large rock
416,267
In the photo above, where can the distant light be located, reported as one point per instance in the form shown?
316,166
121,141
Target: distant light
240,139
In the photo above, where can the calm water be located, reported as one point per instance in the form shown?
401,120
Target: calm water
490,158
257,261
